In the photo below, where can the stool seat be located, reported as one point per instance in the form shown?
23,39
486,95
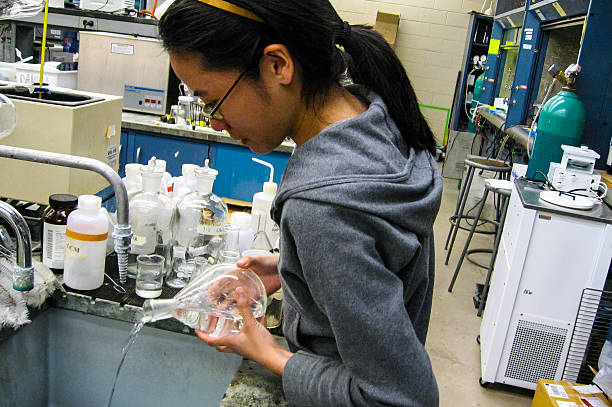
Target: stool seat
499,186
489,164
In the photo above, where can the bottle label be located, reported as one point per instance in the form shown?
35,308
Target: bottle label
211,229
86,238
54,245
139,240
78,244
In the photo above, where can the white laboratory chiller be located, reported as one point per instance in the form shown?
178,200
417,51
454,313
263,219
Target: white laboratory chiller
544,262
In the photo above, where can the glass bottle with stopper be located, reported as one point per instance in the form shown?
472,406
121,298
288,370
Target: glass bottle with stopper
152,217
199,230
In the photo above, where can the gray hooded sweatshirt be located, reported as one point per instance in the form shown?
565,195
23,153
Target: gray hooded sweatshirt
355,209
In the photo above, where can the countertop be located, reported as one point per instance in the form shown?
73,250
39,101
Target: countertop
151,124
529,193
252,386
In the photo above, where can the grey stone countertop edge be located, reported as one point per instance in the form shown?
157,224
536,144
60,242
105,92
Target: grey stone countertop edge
145,122
252,386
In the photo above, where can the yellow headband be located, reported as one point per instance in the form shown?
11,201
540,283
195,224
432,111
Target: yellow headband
232,8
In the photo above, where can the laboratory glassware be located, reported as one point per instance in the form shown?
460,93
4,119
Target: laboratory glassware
208,302
199,229
151,218
150,275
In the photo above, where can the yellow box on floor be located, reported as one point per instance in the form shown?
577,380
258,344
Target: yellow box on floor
551,393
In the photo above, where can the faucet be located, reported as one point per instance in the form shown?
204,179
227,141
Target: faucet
122,232
23,273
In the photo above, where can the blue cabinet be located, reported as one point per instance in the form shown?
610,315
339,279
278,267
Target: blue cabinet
175,151
239,177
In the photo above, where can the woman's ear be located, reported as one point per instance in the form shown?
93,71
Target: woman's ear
278,63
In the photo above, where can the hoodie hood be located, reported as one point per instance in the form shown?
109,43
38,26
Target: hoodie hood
364,164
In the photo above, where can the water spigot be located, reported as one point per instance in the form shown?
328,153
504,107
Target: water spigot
23,273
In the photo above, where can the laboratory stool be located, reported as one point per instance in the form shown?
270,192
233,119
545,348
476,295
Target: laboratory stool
502,189
500,169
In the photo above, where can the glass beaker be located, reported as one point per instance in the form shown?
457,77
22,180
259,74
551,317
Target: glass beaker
150,275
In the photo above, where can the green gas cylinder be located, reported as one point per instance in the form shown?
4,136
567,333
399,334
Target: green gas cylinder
478,88
561,122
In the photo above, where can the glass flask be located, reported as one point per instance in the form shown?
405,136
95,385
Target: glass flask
261,240
152,216
208,302
199,229
229,252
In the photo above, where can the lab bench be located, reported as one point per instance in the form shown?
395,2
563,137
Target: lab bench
518,133
252,385
239,178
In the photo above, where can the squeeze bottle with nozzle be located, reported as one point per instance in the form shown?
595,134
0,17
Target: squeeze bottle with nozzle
262,203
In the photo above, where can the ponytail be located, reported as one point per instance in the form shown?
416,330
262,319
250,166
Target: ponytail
373,63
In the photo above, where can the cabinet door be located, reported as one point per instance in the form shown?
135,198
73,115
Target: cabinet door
240,177
175,151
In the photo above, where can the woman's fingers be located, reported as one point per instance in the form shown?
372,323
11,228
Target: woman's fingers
244,307
244,262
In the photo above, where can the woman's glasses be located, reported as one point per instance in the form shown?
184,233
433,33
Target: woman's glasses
211,111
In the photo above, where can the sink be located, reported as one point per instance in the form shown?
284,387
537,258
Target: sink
68,358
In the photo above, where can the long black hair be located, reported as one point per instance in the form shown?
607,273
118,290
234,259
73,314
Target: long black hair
311,30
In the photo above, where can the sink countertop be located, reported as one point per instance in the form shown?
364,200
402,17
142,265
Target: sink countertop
150,123
252,386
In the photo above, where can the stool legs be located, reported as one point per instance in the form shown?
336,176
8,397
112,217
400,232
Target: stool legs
500,229
455,226
457,205
469,239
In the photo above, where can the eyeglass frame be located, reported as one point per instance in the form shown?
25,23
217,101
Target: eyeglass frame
211,113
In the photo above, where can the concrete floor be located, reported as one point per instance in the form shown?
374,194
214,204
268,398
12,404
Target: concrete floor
453,328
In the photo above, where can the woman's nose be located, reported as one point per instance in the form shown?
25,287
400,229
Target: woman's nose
218,125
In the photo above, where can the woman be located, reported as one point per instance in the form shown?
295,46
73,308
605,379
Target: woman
357,200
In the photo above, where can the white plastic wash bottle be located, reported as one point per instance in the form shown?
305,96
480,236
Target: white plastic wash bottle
262,203
86,234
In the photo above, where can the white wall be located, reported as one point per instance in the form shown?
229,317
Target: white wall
430,44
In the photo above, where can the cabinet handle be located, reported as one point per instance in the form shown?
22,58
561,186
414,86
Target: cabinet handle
138,154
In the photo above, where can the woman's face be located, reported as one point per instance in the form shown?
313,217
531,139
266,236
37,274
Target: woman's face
261,114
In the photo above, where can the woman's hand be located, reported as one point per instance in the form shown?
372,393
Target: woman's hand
266,267
253,341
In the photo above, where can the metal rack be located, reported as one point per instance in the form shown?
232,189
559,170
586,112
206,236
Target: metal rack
591,330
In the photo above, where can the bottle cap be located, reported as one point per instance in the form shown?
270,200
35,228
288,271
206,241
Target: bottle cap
270,187
63,201
90,202
188,170
160,165
132,170
241,219
206,171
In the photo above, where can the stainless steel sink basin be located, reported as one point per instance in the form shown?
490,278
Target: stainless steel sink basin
67,358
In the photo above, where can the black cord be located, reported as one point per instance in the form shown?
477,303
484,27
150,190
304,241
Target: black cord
109,196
